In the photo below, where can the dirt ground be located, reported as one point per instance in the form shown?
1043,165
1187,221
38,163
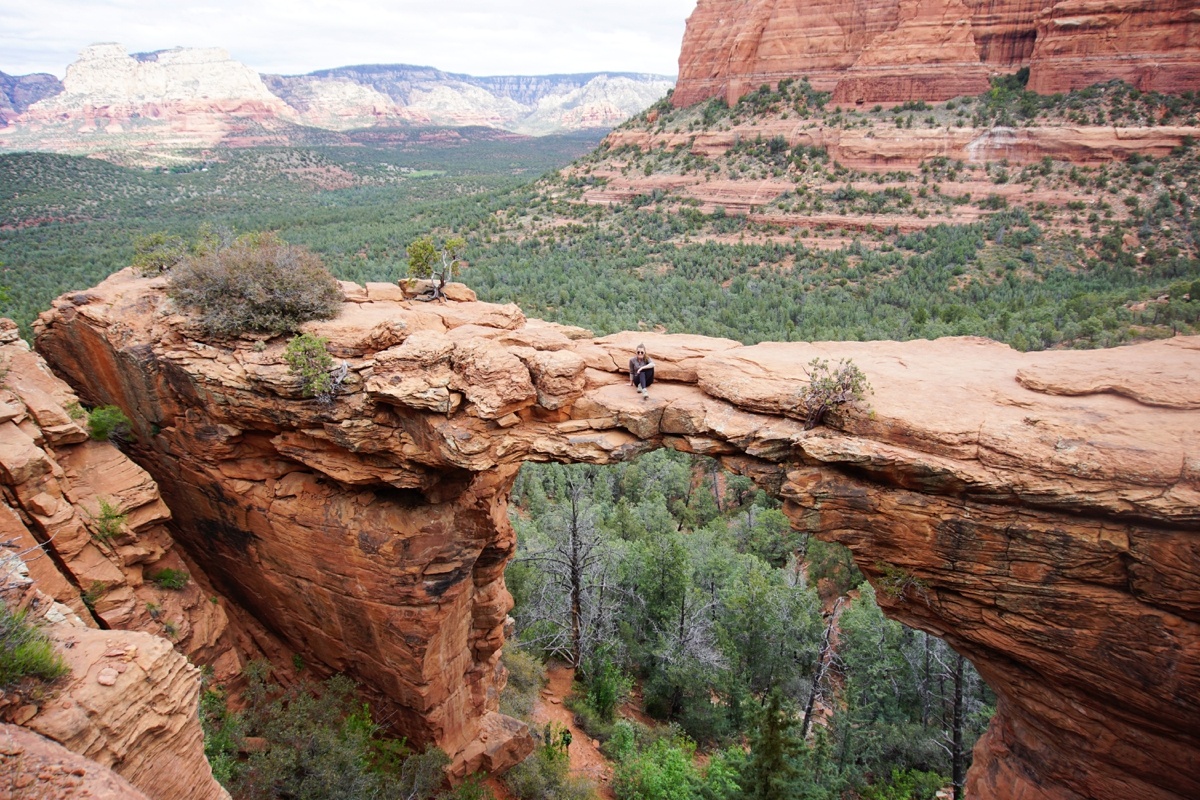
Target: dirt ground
586,759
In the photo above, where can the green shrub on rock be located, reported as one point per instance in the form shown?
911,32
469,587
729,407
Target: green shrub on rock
26,652
257,284
108,423
309,361
829,388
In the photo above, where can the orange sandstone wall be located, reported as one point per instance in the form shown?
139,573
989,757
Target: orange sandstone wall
896,50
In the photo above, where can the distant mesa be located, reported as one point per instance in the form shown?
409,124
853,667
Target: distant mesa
199,97
896,50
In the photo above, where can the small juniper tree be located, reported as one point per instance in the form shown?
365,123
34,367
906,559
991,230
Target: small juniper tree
308,360
829,388
427,260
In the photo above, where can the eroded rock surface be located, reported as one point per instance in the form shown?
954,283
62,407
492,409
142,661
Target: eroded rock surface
896,50
1040,510
128,706
97,515
33,767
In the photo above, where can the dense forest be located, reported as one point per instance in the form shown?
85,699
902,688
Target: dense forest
763,660
668,574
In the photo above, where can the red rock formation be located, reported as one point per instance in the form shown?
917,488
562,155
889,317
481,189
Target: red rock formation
129,704
33,767
56,479
895,50
1151,44
1044,505
885,149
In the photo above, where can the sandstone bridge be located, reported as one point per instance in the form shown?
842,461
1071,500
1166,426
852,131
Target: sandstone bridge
1046,504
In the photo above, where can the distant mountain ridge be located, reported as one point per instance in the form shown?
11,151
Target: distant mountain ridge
199,97
342,97
18,92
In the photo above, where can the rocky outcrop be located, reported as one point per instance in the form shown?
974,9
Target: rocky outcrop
883,149
1151,44
1037,510
129,705
896,50
33,767
98,518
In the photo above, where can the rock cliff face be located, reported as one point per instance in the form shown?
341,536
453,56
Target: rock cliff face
128,706
60,487
84,532
355,97
895,50
1040,509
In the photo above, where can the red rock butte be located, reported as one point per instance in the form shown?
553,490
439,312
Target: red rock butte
896,50
1043,507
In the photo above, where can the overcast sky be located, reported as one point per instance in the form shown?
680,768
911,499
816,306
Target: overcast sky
477,37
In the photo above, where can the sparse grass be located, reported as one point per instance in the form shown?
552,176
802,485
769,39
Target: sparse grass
26,652
107,523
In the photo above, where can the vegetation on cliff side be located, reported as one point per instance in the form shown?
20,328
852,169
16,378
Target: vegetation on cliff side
25,651
312,741
256,283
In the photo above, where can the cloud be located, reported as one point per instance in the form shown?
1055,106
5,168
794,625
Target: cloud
500,37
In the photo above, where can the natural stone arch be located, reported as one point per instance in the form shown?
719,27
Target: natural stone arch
1045,504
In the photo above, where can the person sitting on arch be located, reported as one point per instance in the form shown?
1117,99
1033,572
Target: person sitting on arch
641,371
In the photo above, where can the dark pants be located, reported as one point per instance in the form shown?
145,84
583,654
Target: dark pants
644,378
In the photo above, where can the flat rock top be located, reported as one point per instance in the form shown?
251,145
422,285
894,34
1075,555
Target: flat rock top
1125,420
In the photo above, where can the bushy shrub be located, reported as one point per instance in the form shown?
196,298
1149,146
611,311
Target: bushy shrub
607,687
663,771
26,652
108,423
907,784
545,775
829,388
319,743
472,788
526,677
175,579
309,361
259,283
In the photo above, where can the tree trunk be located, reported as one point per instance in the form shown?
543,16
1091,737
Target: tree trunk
958,768
819,670
576,588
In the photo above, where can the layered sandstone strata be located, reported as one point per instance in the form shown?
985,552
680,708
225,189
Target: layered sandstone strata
60,487
127,706
1042,506
33,767
896,50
